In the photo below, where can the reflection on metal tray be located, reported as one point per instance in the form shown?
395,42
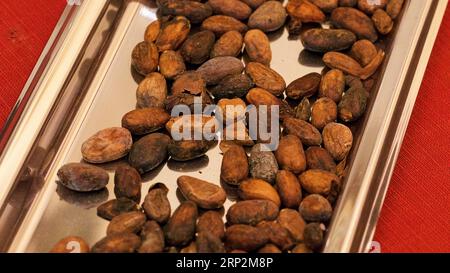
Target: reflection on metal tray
88,84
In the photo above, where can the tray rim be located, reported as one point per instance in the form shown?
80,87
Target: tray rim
405,117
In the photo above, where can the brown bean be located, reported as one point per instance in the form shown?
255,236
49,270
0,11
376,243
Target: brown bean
254,3
252,189
214,70
251,212
355,21
277,234
229,44
268,17
232,86
364,51
314,236
205,194
319,158
338,140
191,248
323,111
295,26
185,150
221,24
326,5
127,183
382,21
318,181
269,248
325,40
266,78
290,155
173,34
192,123
348,3
152,31
190,82
257,46
315,208
233,8
245,237
369,6
180,229
394,7
156,204
305,11
191,101
107,145
263,164
71,244
332,85
145,58
115,207
289,189
258,96
196,12
308,134
144,121
211,222
82,177
292,221
171,64
231,110
152,238
303,110
305,86
353,104
130,222
234,165
118,243
152,91
196,48
209,243
148,152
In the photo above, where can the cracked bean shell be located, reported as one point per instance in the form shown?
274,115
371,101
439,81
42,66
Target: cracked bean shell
325,40
205,194
305,11
290,155
148,152
152,91
234,167
308,134
216,69
144,121
263,164
180,229
266,78
185,150
118,243
173,34
220,24
82,177
129,222
305,86
332,85
319,158
196,12
355,21
152,238
145,58
303,110
171,64
316,181
323,111
353,104
289,189
115,207
252,189
197,48
245,237
211,222
234,8
251,212
127,183
315,208
268,17
156,205
229,44
291,220
107,145
338,140
232,86
257,46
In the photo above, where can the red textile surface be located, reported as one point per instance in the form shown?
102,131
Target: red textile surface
416,213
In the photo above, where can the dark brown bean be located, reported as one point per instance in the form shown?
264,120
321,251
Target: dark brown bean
233,8
209,243
355,21
127,183
211,222
180,229
315,208
277,234
305,86
196,49
245,237
292,221
214,70
152,238
314,236
130,222
145,58
319,158
185,150
148,152
115,207
308,134
251,212
325,40
82,177
118,243
353,104
156,204
229,44
196,12
221,24
232,86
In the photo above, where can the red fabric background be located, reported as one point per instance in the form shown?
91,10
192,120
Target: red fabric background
416,214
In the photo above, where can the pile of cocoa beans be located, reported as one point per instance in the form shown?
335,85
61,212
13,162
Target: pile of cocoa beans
193,55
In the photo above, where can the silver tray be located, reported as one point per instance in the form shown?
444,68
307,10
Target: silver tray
84,82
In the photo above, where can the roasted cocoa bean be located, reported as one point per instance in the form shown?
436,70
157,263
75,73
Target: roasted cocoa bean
220,24
229,44
115,207
148,152
196,12
211,222
214,70
145,58
152,238
146,120
353,104
197,48
156,204
251,212
290,155
305,11
245,237
180,229
338,140
118,243
232,86
305,86
266,78
325,40
268,17
355,21
82,177
130,222
257,46
323,111
319,158
173,34
289,189
152,91
332,85
315,208
252,189
171,65
318,181
263,164
234,165
308,134
127,183
234,8
205,194
185,150
292,221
